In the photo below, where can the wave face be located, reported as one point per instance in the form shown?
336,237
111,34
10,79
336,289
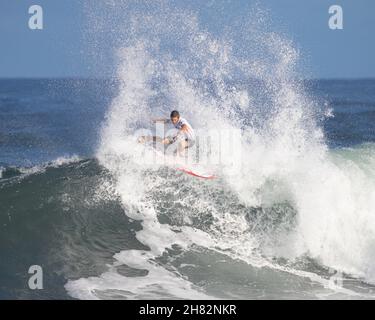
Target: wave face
293,205
69,217
52,216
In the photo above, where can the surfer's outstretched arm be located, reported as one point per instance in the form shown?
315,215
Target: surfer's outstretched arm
164,120
143,139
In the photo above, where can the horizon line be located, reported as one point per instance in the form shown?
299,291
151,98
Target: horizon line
116,78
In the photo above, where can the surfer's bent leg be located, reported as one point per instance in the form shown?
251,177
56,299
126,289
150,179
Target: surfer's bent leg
183,145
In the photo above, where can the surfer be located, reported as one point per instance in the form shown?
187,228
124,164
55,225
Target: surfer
185,136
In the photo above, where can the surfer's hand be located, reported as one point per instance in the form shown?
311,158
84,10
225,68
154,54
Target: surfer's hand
165,141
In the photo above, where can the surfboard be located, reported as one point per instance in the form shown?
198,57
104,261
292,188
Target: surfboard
197,174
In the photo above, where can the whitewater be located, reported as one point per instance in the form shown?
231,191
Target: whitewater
293,201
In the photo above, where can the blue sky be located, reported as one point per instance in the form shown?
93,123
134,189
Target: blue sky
58,50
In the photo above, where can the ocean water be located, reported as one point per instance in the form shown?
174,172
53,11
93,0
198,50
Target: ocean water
296,222
61,208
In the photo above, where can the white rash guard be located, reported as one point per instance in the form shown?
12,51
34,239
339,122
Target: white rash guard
189,134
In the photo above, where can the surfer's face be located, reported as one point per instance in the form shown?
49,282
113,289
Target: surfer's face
175,120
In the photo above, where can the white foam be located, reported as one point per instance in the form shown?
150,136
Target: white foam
159,283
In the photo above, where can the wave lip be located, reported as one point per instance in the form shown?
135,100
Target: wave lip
12,171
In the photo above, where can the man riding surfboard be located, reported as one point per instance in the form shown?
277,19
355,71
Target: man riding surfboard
185,136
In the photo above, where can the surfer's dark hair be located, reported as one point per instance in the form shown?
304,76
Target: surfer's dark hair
175,114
